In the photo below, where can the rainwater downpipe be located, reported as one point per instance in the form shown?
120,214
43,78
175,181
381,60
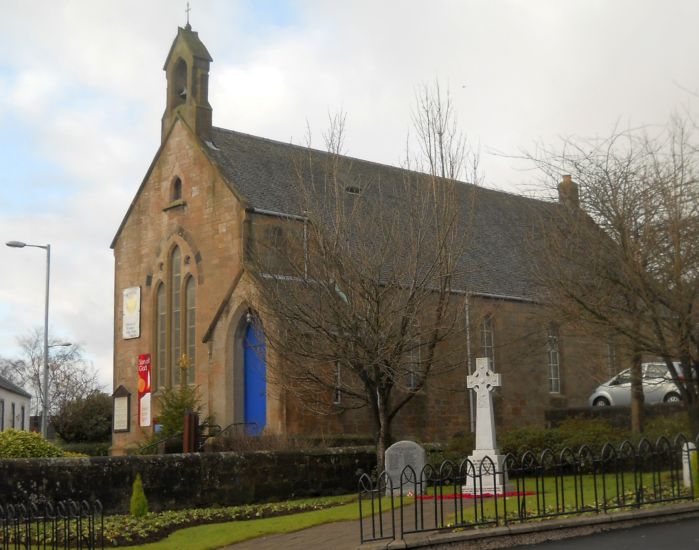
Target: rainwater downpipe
471,404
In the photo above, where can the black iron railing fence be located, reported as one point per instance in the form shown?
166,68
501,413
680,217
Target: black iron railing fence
65,524
541,485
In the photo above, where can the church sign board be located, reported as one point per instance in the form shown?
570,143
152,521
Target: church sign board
122,402
131,313
144,389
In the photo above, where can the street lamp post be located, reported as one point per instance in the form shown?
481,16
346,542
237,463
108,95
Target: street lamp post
45,412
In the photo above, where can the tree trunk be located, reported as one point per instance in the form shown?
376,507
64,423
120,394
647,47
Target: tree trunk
637,398
382,436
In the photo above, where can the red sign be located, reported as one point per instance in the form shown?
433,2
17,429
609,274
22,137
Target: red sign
144,389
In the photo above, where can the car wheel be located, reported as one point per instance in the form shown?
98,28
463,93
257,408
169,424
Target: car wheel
672,398
601,402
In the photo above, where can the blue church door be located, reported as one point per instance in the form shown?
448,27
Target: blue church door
255,380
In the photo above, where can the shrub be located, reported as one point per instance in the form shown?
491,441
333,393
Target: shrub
576,432
177,400
86,419
667,426
20,444
532,439
572,434
87,449
138,507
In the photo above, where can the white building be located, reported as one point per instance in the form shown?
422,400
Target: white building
14,406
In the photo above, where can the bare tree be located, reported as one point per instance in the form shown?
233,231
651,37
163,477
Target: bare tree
70,375
360,290
629,256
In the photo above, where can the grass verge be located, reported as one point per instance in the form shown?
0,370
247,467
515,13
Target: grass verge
205,537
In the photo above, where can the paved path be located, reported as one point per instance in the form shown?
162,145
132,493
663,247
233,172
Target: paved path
343,535
680,535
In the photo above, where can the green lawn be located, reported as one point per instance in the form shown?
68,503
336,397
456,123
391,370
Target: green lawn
216,535
474,510
555,497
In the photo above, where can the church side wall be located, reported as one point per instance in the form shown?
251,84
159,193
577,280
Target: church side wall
206,226
442,410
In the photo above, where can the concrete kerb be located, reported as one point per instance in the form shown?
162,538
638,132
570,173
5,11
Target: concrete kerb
541,531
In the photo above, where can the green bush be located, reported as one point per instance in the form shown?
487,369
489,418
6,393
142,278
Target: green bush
86,419
88,449
533,439
138,507
667,426
174,403
20,444
572,434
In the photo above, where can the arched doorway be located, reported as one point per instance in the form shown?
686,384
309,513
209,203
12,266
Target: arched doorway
255,377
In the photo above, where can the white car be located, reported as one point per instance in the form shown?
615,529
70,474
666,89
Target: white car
658,387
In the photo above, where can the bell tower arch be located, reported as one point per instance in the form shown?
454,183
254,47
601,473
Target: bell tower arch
187,72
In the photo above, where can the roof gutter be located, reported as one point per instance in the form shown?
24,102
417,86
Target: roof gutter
275,214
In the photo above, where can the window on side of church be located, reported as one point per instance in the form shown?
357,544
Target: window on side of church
554,360
337,390
161,338
487,341
190,300
176,314
413,366
2,415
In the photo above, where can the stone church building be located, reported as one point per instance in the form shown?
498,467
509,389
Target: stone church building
182,287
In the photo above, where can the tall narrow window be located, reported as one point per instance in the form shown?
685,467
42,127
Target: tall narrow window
413,366
487,345
13,415
161,337
176,189
337,391
176,313
22,419
554,360
2,414
190,299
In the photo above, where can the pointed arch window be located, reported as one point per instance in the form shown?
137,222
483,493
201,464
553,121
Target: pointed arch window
175,322
161,337
176,193
554,361
175,313
190,334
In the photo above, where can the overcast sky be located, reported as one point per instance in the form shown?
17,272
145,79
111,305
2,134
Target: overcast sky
83,91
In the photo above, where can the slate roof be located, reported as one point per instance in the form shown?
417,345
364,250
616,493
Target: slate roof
261,172
9,386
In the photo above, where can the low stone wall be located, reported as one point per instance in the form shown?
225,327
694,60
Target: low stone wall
187,480
619,417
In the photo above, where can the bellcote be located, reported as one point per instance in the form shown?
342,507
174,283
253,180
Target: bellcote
187,71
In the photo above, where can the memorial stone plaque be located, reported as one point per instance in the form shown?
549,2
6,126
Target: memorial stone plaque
398,456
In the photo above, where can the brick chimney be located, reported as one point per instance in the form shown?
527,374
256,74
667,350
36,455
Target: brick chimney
568,192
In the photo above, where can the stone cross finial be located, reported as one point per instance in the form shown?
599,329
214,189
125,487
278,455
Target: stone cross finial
483,381
187,12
